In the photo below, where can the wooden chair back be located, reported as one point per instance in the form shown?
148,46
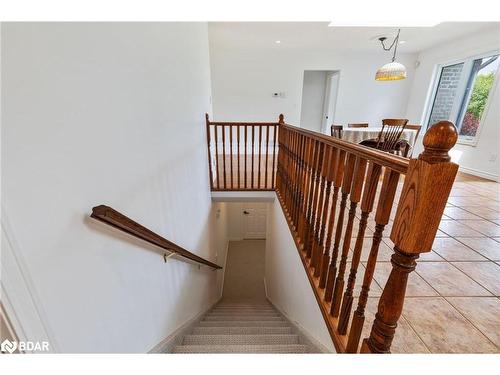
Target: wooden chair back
406,146
390,134
361,125
336,131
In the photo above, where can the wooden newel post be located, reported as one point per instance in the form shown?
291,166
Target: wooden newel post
423,199
281,119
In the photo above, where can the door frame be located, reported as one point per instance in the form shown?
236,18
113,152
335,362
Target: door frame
330,100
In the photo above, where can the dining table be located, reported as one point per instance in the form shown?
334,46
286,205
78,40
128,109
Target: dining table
356,135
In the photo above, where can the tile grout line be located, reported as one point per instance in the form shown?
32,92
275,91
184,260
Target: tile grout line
468,320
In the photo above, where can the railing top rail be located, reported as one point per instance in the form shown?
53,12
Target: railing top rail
394,162
116,219
235,123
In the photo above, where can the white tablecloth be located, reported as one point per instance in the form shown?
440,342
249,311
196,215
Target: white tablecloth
356,135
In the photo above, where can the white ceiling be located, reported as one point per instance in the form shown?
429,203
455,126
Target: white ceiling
316,35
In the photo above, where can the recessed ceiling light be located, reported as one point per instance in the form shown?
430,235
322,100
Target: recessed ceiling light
277,41
402,41
370,23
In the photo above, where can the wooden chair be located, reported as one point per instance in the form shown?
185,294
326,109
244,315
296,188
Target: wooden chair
404,145
389,137
362,125
336,131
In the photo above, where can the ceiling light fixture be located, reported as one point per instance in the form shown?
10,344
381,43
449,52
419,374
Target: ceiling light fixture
392,71
277,41
358,22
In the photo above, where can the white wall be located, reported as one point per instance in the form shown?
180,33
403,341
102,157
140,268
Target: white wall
287,286
244,79
108,113
475,159
313,97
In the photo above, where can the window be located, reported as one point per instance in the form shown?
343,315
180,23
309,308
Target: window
462,93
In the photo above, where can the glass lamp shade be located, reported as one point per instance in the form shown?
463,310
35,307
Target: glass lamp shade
392,71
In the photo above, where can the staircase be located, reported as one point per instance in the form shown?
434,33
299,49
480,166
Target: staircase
243,328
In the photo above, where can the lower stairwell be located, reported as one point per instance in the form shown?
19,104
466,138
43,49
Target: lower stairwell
243,328
244,321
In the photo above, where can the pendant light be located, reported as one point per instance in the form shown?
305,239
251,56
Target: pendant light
392,71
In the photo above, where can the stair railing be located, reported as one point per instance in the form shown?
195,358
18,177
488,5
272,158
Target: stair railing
328,189
334,193
242,155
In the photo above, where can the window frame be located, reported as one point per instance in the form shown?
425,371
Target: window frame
457,105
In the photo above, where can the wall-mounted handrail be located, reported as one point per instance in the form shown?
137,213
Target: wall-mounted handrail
116,219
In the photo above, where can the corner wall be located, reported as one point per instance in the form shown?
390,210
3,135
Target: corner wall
106,113
287,285
472,159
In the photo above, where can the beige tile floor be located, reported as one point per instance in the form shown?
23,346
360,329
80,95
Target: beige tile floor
453,297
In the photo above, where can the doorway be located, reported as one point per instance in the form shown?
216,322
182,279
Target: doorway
254,222
319,98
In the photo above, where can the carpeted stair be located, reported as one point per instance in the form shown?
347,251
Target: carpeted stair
243,328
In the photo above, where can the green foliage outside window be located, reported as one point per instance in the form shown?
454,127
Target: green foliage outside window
477,102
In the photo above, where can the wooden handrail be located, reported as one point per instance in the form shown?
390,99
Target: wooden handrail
227,123
394,162
116,219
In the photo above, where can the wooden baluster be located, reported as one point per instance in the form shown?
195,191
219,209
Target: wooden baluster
293,140
238,153
331,203
345,170
383,213
300,162
210,173
307,226
260,154
425,192
286,156
246,156
253,146
267,152
231,152
369,192
305,188
224,155
314,208
288,166
217,167
296,184
322,211
273,180
313,234
278,164
355,195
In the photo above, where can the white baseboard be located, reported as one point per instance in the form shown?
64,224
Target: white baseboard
175,338
475,172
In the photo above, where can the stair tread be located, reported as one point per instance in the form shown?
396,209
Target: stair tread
242,317
293,348
241,339
242,313
241,330
242,323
